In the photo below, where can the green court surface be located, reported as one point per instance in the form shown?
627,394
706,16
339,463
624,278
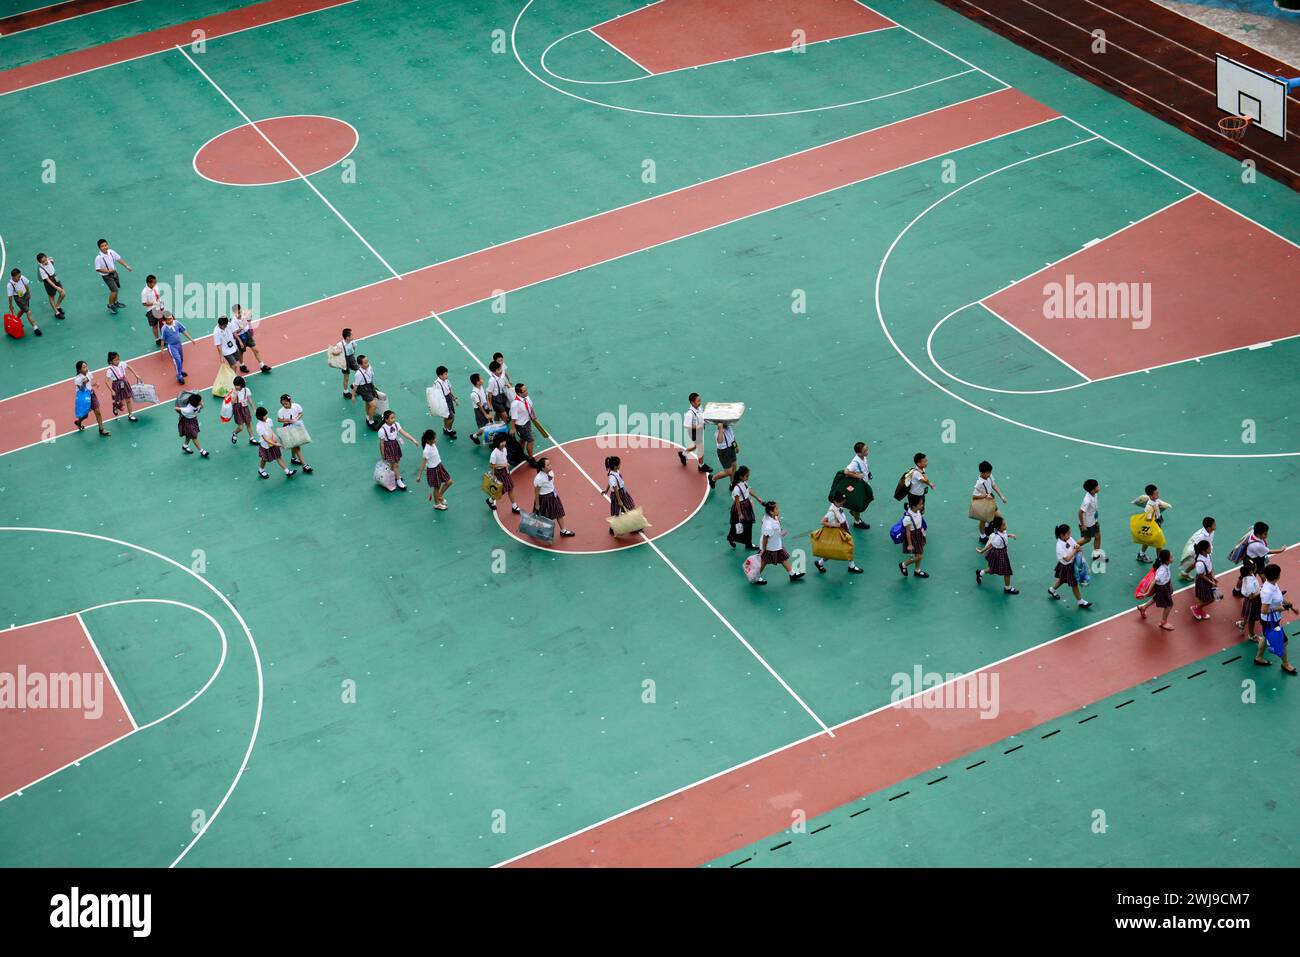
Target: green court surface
399,681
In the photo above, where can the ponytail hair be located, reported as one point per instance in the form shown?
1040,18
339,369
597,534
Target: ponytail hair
769,506
1062,530
612,462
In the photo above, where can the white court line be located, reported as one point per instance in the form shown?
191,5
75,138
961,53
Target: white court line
655,548
613,46
680,69
135,729
602,262
356,140
1016,328
289,163
884,327
143,56
622,15
61,20
514,47
967,676
1146,95
104,664
252,645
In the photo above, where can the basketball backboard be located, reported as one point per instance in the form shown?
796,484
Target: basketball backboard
1246,91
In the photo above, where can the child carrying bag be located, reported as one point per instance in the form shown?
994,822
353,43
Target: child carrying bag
82,405
385,476
437,402
982,509
832,543
14,326
295,436
1146,586
629,522
537,526
752,566
144,393
900,490
1145,531
493,487
228,407
335,359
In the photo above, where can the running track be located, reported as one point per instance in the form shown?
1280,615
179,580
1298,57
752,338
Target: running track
722,814
523,262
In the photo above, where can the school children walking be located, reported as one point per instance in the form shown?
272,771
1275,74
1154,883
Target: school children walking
442,383
1272,604
187,424
20,299
1256,546
918,482
835,517
242,321
772,552
390,443
1089,522
478,398
1066,548
431,465
724,442
741,529
499,390
522,420
171,334
546,502
857,492
1206,587
363,387
347,350
997,553
914,534
154,307
1203,534
1153,509
984,498
241,410
693,421
87,402
1162,591
499,463
106,265
49,278
268,446
620,499
1252,583
120,386
289,416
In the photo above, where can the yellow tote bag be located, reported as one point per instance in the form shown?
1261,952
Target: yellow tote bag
1146,531
833,543
225,380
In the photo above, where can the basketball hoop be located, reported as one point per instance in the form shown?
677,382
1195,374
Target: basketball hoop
1234,127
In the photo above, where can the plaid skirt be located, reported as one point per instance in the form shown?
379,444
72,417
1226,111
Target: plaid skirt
268,455
623,503
1164,595
438,475
121,394
918,543
550,506
1250,607
742,510
1204,589
391,450
504,477
241,414
1065,573
188,428
778,557
999,561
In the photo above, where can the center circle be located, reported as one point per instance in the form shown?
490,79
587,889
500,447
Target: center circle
669,493
251,155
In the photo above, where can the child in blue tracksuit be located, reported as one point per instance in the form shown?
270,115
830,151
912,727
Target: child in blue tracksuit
171,332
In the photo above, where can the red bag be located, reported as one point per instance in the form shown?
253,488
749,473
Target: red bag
1146,586
14,326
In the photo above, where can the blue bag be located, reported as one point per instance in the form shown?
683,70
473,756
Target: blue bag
1081,568
491,432
82,407
896,531
537,526
1275,636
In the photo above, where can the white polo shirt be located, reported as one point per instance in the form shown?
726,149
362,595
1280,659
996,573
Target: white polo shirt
265,433
1089,508
772,532
859,464
108,260
432,457
915,481
1270,594
521,411
545,482
225,338
291,415
151,299
18,289
1256,547
1063,550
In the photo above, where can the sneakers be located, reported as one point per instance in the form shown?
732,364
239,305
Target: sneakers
440,506
1144,558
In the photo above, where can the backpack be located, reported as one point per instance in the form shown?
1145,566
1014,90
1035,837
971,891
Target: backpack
1239,550
900,490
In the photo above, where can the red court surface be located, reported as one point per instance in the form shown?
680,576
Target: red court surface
715,817
1218,282
675,34
478,276
668,493
156,41
54,13
37,741
244,157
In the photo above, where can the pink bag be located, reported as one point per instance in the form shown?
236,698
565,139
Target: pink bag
1146,586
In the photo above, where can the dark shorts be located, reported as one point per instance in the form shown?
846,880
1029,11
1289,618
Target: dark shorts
1091,531
352,363
22,305
524,433
367,391
1163,595
727,456
480,419
232,359
50,288
246,340
693,436
500,402
111,281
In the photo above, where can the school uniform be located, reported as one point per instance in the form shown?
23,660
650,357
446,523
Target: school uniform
243,325
499,393
478,397
49,277
121,388
1270,593
390,442
241,406
108,261
1250,602
1091,524
349,349
291,415
21,291
548,503
999,555
1163,592
500,464
1256,547
444,386
725,442
434,470
171,336
83,383
1064,572
1204,587
151,299
773,554
521,413
224,339
916,522
916,482
619,499
187,422
266,450
363,384
693,420
742,514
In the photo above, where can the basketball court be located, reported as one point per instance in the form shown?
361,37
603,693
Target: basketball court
868,222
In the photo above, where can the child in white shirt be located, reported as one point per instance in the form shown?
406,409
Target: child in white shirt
1162,592
771,551
1064,573
290,414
